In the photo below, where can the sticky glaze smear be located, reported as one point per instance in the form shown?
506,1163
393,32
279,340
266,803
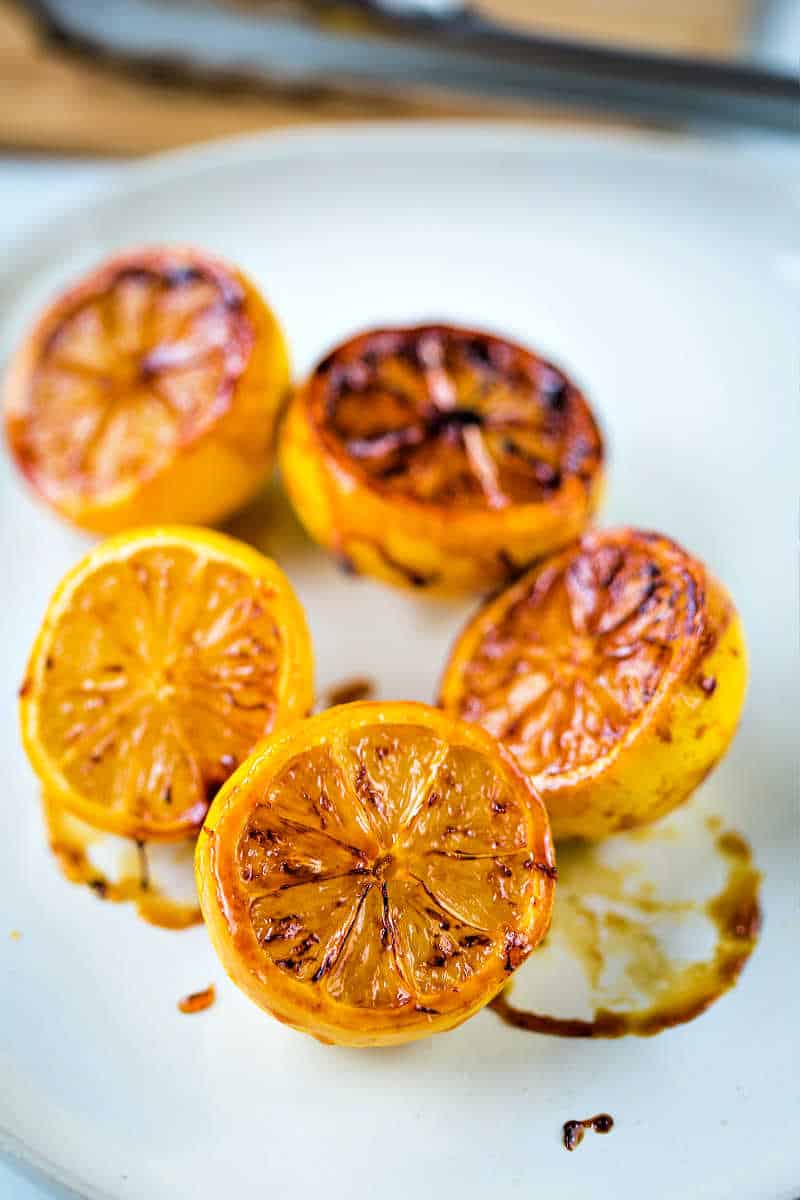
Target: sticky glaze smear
70,841
198,1001
360,687
680,992
573,1131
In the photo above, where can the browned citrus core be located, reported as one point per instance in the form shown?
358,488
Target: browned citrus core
159,679
583,648
453,417
386,869
140,359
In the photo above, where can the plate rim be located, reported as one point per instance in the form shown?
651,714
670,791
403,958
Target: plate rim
430,136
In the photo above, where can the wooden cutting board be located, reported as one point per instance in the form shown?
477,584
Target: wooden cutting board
56,97
710,27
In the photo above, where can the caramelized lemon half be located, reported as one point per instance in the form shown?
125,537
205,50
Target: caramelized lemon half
149,391
165,655
615,672
375,873
440,457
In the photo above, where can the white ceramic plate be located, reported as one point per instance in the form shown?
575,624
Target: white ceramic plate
667,280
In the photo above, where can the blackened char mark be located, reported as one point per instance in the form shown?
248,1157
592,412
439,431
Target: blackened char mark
284,929
548,869
345,563
180,276
212,786
448,420
553,387
416,578
334,952
517,948
581,451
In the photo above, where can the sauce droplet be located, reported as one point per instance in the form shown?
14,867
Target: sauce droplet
573,1131
360,687
198,1001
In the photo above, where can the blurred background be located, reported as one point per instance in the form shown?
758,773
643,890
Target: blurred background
85,84
126,77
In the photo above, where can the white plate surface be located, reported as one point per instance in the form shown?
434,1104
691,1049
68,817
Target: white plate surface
667,280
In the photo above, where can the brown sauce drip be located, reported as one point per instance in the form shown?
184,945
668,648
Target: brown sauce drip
573,1131
70,849
343,557
198,1001
683,991
360,687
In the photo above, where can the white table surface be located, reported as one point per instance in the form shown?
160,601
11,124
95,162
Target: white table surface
31,188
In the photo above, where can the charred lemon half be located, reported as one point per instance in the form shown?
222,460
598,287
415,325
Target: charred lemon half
375,873
440,457
165,655
614,671
148,392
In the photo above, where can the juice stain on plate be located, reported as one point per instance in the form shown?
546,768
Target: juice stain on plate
573,1131
601,921
129,877
198,1001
